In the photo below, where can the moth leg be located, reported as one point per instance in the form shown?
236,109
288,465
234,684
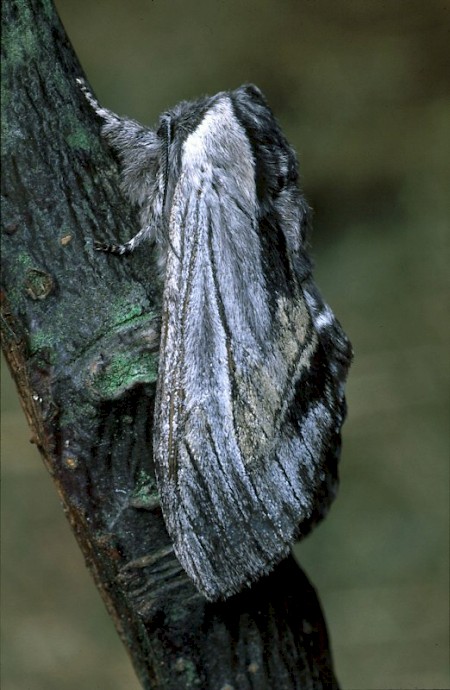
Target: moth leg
124,135
128,247
128,138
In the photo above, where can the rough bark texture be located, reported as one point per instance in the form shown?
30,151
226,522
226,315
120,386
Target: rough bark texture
79,335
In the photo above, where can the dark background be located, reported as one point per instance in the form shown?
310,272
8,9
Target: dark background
361,89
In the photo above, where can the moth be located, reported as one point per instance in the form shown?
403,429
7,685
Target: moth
250,393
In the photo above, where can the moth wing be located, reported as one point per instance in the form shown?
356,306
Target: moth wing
245,409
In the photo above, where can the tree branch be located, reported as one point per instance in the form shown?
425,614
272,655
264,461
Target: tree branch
80,336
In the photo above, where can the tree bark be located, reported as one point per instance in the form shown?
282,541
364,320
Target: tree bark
80,336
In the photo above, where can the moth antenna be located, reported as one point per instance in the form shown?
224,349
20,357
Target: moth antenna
112,248
168,142
146,232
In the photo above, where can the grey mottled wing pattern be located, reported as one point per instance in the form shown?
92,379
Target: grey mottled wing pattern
238,459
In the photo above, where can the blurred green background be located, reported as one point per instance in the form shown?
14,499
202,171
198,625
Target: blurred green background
361,89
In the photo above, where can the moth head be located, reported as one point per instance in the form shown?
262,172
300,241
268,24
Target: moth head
141,164
145,175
